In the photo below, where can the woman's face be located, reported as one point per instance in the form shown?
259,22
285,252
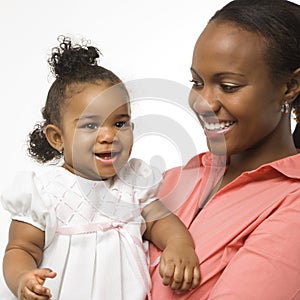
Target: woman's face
233,94
96,131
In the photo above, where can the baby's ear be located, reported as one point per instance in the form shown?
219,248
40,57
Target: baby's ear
54,137
293,86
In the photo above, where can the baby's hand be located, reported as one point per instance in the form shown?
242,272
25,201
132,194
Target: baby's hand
179,268
31,285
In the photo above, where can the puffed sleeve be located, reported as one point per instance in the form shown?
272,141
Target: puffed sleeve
27,203
144,179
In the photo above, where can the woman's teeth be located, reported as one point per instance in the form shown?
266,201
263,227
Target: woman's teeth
218,126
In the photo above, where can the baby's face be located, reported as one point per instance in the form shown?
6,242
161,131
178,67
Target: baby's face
97,131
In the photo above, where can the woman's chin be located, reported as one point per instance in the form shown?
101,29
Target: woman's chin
217,147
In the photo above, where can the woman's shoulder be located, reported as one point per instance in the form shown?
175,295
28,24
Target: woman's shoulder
288,166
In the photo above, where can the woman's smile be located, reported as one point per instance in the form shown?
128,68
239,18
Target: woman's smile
233,95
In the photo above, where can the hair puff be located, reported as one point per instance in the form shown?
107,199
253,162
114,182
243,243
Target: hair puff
68,59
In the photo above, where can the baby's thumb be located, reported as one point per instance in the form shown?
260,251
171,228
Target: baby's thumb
46,273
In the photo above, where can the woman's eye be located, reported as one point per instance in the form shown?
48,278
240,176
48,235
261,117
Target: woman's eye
229,88
196,83
123,124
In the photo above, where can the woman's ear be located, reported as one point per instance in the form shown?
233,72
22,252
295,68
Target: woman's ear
293,86
54,137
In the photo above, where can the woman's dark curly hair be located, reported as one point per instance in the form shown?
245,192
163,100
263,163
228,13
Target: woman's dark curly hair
278,22
70,64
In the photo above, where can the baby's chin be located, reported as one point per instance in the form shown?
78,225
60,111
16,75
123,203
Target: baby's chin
94,175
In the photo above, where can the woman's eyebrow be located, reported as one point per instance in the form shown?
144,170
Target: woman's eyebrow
219,74
194,72
124,116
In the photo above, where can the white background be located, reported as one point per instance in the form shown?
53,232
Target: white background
138,39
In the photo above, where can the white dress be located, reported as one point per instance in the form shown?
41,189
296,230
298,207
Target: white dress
93,229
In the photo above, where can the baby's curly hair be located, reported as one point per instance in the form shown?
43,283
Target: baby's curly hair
70,64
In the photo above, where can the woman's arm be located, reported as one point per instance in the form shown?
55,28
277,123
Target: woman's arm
23,254
179,266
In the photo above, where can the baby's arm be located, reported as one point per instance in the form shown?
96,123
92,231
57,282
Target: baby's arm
22,256
179,265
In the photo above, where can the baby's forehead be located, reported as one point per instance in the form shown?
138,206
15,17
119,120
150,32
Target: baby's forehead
107,103
99,91
77,87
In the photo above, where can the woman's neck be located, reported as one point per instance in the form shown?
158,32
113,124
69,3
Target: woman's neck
254,158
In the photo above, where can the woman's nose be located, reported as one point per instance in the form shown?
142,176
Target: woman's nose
204,102
106,135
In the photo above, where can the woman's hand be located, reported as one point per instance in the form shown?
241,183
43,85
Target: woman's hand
179,267
31,285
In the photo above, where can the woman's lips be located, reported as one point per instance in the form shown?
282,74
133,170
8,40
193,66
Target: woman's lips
217,126
217,129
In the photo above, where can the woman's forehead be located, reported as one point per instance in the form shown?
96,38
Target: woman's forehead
224,46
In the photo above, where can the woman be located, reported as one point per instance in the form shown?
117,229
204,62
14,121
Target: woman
242,198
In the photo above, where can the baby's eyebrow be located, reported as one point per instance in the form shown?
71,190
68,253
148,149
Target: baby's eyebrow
89,117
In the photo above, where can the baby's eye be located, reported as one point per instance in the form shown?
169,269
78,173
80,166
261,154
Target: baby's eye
92,126
123,124
196,83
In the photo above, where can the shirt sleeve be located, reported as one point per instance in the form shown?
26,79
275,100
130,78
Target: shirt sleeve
145,180
268,265
26,203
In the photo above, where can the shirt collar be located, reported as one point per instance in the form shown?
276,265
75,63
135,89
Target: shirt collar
288,166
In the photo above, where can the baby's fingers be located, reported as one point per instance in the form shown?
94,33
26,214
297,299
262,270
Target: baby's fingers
178,277
29,294
166,271
187,280
41,291
191,279
196,277
44,273
35,289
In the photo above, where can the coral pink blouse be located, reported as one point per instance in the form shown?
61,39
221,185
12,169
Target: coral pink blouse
247,236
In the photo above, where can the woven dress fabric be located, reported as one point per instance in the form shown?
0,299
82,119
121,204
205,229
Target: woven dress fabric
93,229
